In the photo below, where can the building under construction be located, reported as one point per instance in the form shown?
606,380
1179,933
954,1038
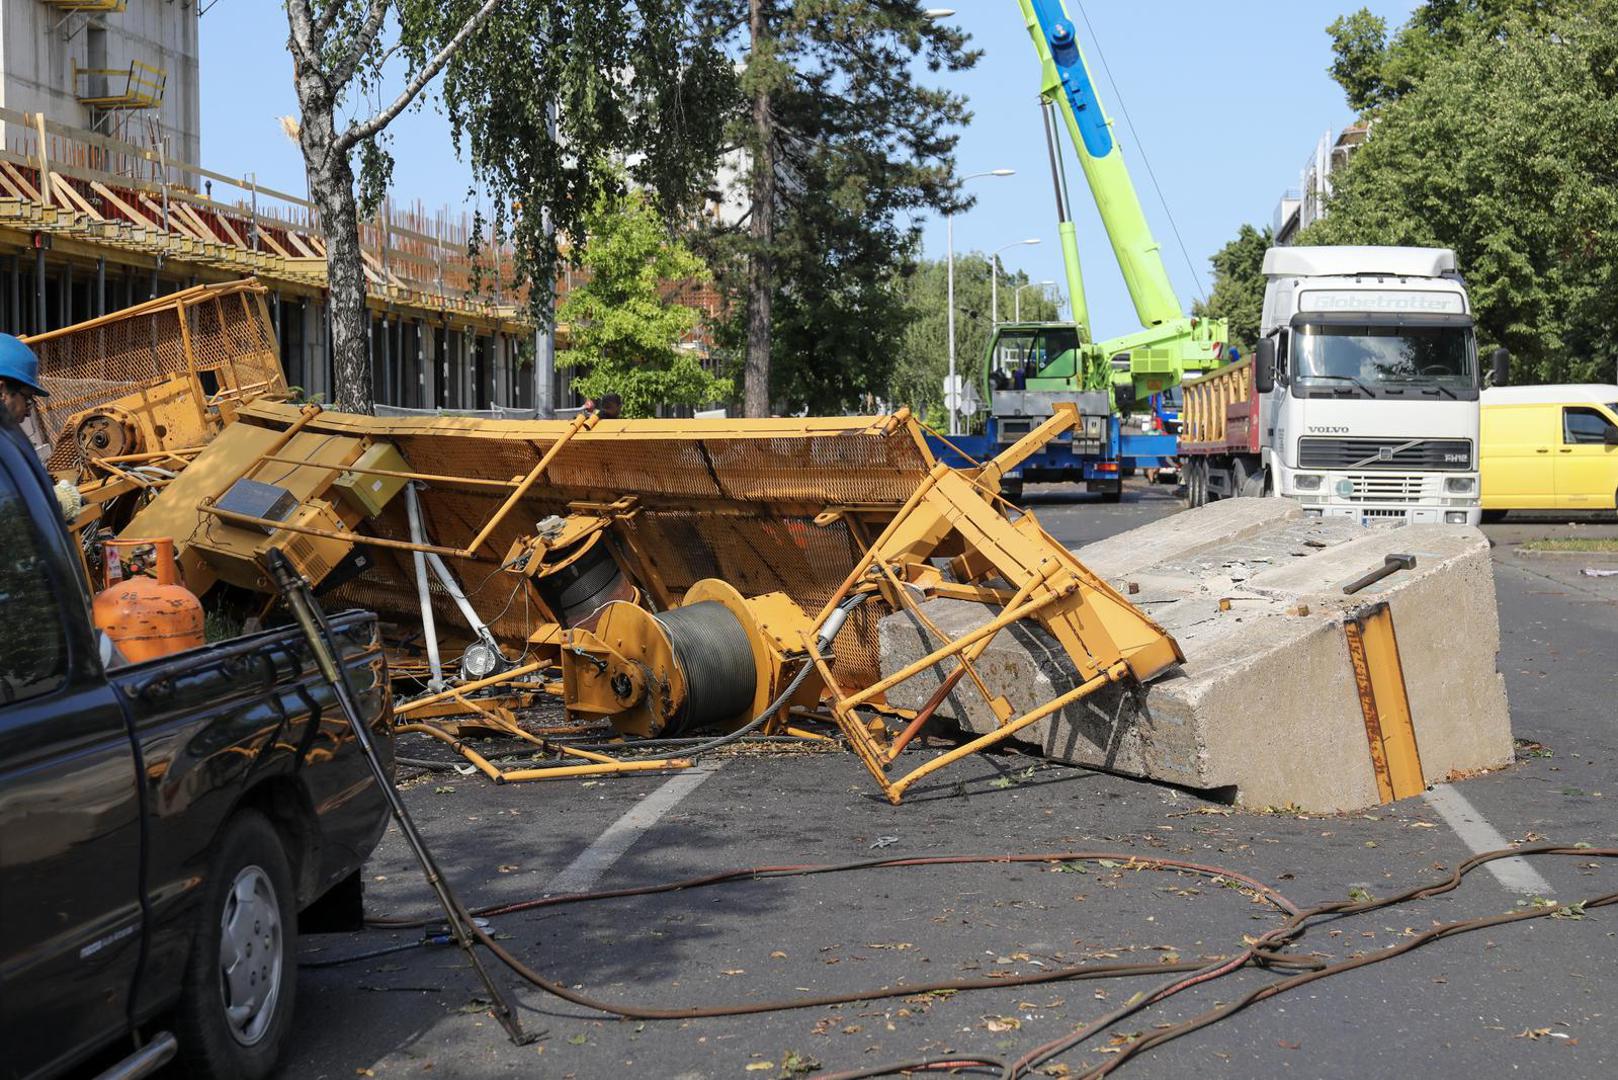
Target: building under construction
104,203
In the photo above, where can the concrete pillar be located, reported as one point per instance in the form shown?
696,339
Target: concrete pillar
14,307
101,286
497,361
427,344
545,372
390,378
328,380
39,290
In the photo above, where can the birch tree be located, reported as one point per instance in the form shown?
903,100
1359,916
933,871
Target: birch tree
546,100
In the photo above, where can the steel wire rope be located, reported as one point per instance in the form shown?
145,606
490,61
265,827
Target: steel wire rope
1068,973
1072,972
828,632
1261,953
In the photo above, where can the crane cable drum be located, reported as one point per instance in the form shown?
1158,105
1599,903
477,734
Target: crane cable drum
716,662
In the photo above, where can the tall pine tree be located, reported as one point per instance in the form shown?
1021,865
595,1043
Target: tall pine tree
842,143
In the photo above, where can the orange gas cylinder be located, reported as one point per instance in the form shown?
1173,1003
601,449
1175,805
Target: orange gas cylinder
144,609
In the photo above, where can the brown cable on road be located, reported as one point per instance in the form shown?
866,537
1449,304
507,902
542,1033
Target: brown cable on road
1123,861
1296,926
1261,953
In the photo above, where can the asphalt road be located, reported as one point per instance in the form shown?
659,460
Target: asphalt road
1537,998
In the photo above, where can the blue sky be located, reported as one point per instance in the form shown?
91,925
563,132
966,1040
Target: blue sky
1227,99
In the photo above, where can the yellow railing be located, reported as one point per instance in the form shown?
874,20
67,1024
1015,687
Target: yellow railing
143,86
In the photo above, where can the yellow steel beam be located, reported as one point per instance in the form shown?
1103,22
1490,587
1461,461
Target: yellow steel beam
1390,733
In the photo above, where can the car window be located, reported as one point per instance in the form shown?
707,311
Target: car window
1583,425
33,642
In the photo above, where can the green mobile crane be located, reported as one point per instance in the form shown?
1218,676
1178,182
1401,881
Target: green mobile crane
1031,366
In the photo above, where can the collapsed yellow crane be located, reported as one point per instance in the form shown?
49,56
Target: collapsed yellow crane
672,574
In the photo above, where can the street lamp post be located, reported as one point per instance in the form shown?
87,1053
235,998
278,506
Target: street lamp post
1016,297
949,302
994,279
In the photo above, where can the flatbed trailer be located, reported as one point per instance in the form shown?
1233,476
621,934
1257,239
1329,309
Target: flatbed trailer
1219,435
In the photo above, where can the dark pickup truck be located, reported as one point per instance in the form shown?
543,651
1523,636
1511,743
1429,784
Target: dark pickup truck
162,824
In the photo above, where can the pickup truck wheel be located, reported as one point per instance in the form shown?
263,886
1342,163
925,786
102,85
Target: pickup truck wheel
236,1004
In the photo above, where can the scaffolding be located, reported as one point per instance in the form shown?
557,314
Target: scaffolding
142,86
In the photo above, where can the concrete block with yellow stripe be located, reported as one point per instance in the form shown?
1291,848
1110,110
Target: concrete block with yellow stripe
1292,693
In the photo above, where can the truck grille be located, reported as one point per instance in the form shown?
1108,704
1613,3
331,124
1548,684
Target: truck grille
1385,488
1384,453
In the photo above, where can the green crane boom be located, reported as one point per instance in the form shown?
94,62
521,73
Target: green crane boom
1154,358
1069,87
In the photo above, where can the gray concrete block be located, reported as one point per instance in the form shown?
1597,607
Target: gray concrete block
1181,536
1265,707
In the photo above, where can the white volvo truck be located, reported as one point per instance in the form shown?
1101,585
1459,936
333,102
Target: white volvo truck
1362,398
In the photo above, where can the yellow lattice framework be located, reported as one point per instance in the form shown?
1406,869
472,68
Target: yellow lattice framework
158,377
638,565
142,86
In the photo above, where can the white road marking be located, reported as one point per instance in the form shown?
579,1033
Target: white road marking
1515,874
583,872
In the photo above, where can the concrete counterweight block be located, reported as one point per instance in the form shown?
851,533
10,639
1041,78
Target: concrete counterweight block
1266,709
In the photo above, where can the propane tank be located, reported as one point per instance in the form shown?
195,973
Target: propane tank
143,608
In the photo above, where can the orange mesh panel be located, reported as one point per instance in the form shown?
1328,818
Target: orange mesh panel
734,500
96,364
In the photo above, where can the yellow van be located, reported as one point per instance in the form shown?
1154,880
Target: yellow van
1549,448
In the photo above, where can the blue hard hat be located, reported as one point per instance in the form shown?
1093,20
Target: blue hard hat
19,364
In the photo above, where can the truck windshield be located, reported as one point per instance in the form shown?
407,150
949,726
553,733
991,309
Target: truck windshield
1021,354
1386,356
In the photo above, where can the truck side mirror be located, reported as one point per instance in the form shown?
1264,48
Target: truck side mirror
1611,436
1499,367
1264,366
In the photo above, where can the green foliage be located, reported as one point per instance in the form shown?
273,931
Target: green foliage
838,314
540,96
859,146
1238,289
1503,150
1374,68
624,324
922,358
1359,42
551,91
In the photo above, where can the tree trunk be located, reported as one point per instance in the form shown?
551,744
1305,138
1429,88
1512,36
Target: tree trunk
331,189
345,278
760,259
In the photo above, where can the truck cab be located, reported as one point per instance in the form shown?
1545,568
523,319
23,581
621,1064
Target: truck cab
1026,370
1368,384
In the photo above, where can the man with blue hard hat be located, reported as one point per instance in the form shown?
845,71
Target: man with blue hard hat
19,386
19,378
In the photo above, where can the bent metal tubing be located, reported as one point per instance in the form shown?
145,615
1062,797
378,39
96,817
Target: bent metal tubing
610,767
